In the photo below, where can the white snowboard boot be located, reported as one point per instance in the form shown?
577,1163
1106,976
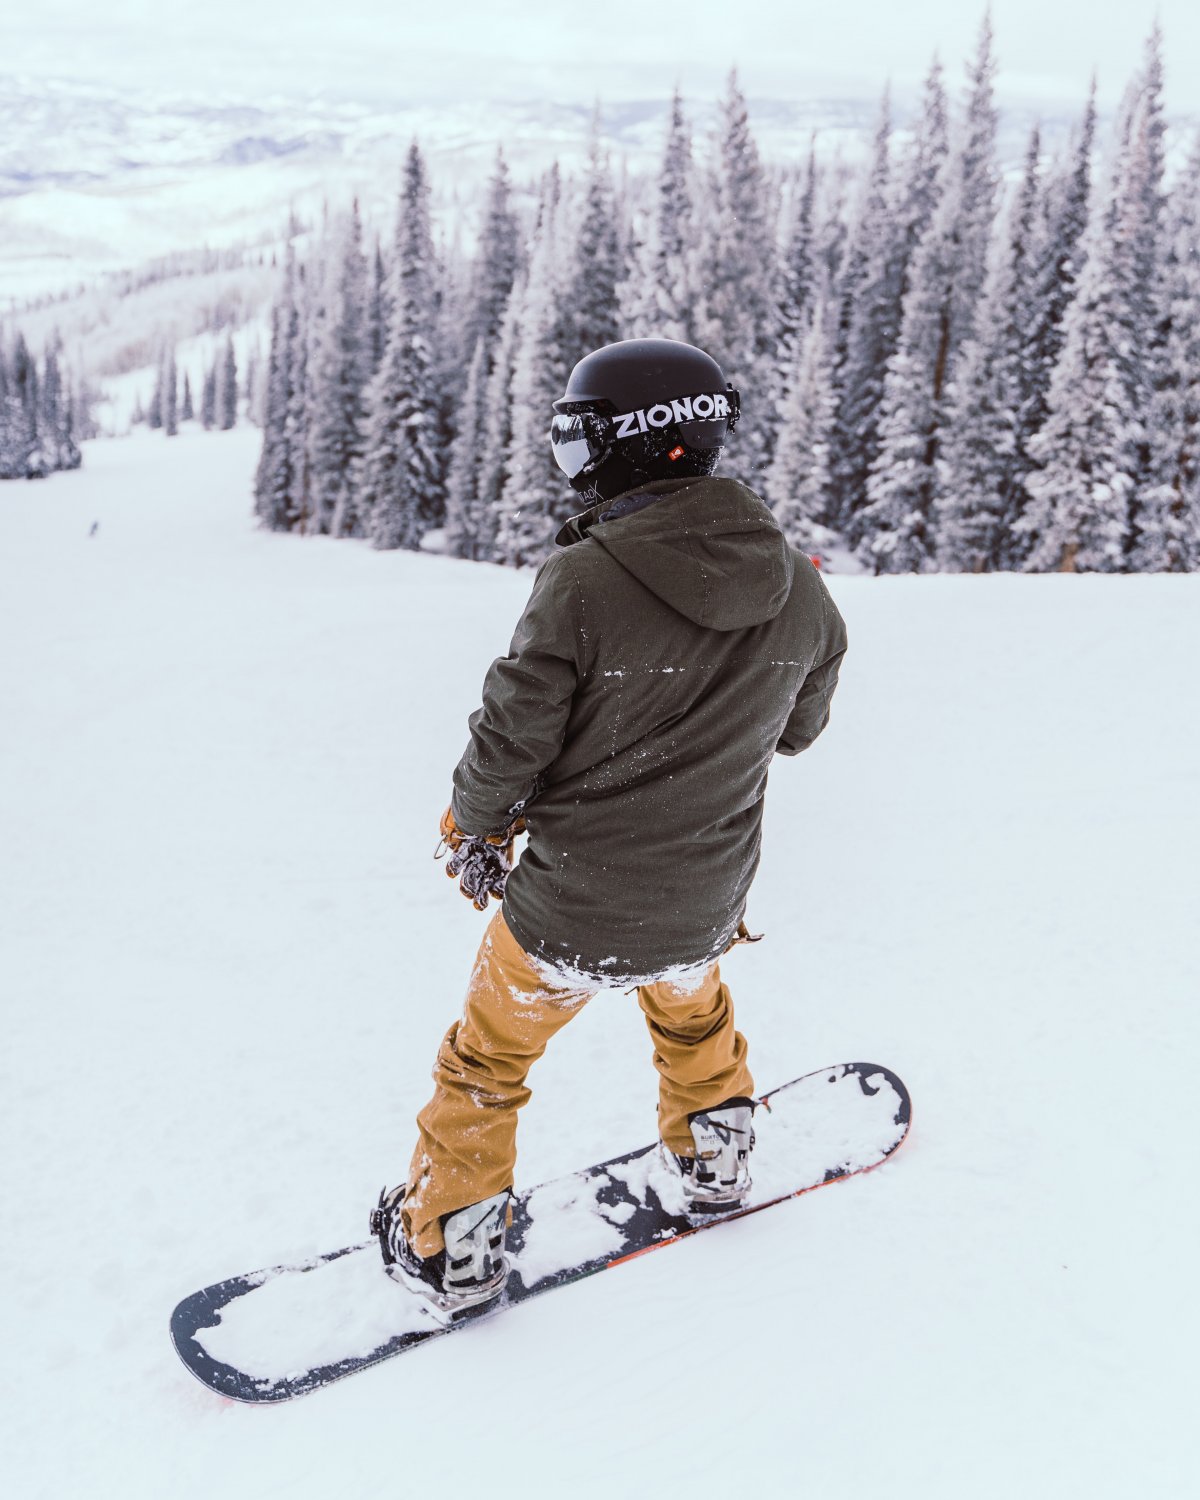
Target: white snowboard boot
468,1273
717,1178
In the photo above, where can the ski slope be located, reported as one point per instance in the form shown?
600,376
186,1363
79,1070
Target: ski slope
228,956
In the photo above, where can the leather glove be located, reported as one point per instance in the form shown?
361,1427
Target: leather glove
744,935
481,863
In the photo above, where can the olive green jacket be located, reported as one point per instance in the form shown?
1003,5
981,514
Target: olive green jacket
664,656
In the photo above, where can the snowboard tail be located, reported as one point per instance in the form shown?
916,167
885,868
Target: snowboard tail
281,1332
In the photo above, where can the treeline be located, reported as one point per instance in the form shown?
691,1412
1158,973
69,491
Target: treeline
184,264
936,371
172,400
161,270
39,419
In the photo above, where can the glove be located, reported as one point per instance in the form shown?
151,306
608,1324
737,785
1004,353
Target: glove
744,935
481,863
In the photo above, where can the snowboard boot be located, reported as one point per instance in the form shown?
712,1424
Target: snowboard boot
468,1273
717,1178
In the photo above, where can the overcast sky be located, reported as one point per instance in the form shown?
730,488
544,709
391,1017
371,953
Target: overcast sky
616,49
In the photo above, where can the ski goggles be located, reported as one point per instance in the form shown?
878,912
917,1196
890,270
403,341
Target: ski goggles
580,439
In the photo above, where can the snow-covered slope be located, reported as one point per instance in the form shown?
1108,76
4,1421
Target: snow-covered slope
228,957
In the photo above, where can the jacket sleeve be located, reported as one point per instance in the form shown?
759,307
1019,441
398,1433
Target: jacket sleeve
518,732
811,712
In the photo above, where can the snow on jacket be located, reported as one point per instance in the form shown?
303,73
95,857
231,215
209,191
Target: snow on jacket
672,646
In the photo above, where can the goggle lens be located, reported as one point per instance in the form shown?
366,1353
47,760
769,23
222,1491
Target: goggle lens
573,443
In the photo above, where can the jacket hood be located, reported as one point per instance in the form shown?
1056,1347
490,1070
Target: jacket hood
708,547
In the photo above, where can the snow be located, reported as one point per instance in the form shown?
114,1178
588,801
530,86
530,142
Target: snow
283,1329
573,1203
229,956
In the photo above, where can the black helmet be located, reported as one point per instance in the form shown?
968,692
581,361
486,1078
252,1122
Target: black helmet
640,410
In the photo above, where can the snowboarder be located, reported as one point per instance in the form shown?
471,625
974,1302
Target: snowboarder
671,645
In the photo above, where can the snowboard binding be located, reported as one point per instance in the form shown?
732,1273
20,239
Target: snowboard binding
717,1179
468,1274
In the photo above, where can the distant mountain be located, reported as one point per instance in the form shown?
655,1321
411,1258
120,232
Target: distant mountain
93,180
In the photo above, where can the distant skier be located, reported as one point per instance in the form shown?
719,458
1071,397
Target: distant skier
670,647
95,528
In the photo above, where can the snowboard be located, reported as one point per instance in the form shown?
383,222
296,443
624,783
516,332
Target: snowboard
287,1330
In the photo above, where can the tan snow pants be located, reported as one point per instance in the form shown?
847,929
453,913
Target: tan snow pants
467,1149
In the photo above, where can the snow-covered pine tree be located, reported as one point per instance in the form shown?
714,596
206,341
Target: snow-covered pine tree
1066,205
921,184
675,249
338,374
400,467
535,498
659,293
831,239
983,465
979,178
462,508
227,387
254,384
978,448
187,411
797,486
799,278
1140,238
14,433
272,456
449,361
946,275
317,282
1078,513
677,246
497,261
7,419
50,420
170,393
67,455
208,398
868,318
274,479
37,418
154,411
590,315
1168,537
49,397
628,227
299,323
635,291
468,526
28,459
377,308
1054,265
738,268
1093,448
83,422
31,415
496,424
